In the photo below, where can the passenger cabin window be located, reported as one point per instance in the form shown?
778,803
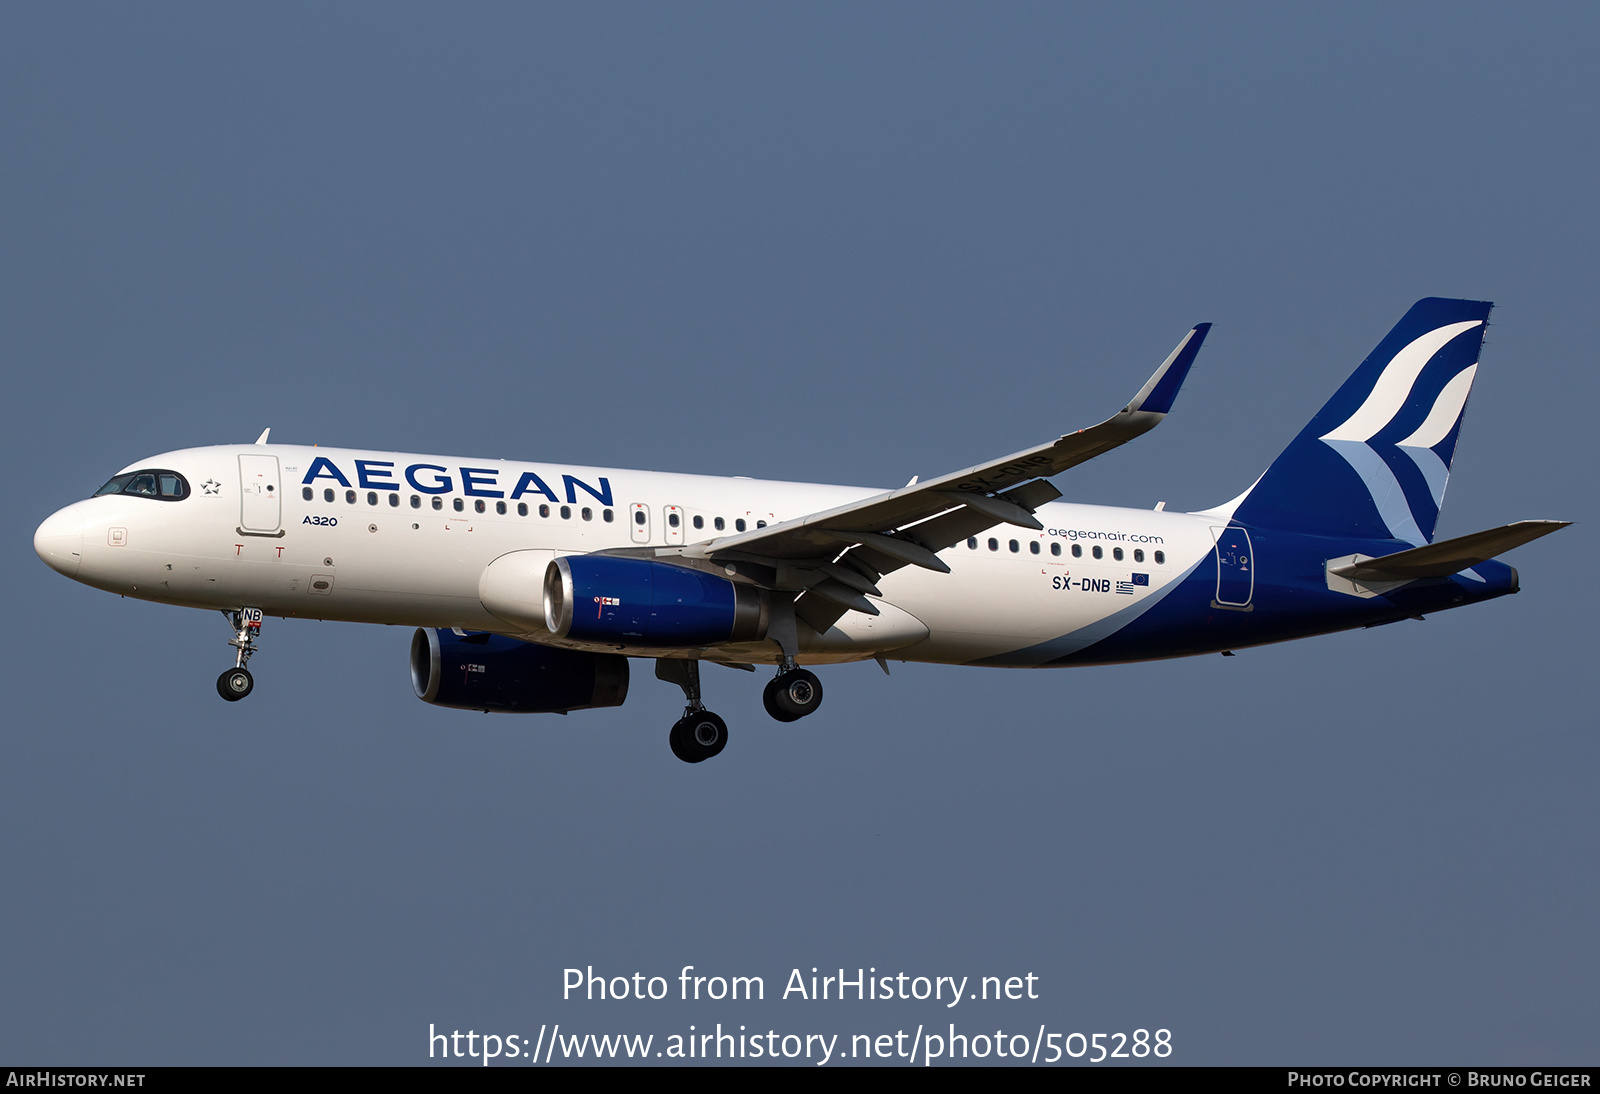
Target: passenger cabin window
638,516
607,515
522,508
994,544
438,502
1138,555
500,507
350,497
738,525
719,524
1161,557
372,497
1077,550
1015,546
1033,546
416,502
672,520
1116,553
307,493
1098,553
587,514
154,483
394,501
699,522
566,512
479,506
544,510
972,543
327,495
1055,549
458,503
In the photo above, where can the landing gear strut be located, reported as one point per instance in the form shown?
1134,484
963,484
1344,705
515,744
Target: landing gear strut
237,682
699,734
793,693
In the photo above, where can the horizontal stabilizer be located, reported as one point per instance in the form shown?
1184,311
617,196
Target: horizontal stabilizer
1449,556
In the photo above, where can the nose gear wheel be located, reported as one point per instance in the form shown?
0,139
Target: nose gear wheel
235,684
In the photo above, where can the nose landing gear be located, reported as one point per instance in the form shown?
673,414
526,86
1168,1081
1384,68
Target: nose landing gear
237,682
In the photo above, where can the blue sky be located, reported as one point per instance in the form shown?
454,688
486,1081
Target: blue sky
837,243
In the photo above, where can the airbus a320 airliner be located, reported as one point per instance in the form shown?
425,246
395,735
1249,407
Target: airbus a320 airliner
532,584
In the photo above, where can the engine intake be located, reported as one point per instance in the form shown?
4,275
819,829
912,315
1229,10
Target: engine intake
636,602
501,675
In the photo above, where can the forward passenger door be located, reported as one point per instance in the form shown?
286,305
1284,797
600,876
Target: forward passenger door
260,506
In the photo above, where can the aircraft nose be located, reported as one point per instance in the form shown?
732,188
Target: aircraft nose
59,541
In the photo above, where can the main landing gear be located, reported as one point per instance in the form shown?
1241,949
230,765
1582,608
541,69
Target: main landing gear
700,734
792,694
237,682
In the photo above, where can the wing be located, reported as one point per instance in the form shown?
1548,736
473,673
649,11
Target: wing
833,558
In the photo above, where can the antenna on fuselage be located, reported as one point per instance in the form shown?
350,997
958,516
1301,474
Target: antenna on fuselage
263,438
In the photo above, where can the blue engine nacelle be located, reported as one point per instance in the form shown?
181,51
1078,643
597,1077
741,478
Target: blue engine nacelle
636,602
501,675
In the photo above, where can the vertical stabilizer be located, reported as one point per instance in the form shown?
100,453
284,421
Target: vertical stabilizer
1374,461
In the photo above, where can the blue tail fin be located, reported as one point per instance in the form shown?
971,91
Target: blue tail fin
1374,461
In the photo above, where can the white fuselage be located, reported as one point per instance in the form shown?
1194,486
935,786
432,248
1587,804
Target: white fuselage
438,541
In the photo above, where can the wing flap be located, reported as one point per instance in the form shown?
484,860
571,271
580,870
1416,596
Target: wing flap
937,534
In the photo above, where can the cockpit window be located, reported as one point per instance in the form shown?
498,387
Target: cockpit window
151,483
114,486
